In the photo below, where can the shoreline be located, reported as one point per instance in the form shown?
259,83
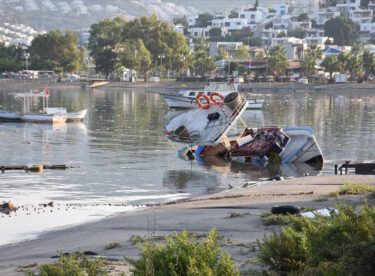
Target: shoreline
196,215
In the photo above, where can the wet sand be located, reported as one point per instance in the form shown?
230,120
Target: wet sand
195,215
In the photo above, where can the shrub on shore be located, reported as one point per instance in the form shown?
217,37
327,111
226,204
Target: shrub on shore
353,189
76,264
182,255
340,244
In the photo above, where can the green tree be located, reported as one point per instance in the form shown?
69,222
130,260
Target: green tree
313,53
11,58
134,55
233,14
254,41
104,37
342,65
158,37
221,54
343,30
203,63
109,38
181,20
303,17
298,32
56,51
281,34
278,61
331,65
242,53
368,61
204,19
215,32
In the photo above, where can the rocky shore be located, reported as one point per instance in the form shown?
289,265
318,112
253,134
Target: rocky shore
235,214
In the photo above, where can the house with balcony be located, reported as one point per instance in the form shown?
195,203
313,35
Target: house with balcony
371,5
281,22
253,16
366,31
268,34
199,32
192,20
318,41
361,16
294,47
315,33
306,25
230,24
345,6
323,16
229,47
280,9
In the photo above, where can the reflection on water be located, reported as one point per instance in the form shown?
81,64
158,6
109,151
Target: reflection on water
123,156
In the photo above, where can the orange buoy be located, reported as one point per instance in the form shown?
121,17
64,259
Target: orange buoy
217,98
200,104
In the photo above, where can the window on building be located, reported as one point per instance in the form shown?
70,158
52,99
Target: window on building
252,16
227,24
195,33
242,16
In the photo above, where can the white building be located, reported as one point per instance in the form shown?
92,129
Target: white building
253,16
361,16
318,41
198,32
371,5
306,25
315,33
227,23
268,35
192,20
345,6
322,17
229,47
294,47
281,22
281,9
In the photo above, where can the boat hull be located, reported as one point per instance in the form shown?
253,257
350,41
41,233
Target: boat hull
44,118
10,117
180,102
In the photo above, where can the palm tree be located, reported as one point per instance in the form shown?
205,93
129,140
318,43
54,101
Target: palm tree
368,60
278,61
354,65
331,65
342,65
313,53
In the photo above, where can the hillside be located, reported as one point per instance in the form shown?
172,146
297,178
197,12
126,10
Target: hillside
78,14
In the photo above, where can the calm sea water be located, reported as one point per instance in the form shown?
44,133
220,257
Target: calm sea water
122,157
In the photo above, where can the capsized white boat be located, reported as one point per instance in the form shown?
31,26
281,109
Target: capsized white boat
187,98
206,125
205,131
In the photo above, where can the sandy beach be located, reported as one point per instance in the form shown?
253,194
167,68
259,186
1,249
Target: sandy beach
195,215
